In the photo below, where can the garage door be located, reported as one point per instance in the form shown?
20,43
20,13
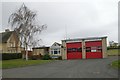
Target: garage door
74,50
93,49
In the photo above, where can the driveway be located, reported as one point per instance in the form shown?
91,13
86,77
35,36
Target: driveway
87,68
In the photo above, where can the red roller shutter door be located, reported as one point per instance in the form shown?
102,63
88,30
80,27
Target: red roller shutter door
74,50
93,49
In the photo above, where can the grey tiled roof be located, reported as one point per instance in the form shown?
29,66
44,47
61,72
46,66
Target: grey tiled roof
4,36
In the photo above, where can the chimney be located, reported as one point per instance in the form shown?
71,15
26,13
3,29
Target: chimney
7,30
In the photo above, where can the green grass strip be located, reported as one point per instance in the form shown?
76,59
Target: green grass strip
113,52
116,64
21,63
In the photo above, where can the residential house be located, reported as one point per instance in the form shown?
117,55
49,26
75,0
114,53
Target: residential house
9,42
55,50
113,44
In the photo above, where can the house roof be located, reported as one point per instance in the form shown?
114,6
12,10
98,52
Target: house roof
5,36
58,43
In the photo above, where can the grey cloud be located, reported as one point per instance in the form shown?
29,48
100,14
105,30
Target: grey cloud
82,19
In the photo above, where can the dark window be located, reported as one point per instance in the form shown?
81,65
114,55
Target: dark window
51,52
54,44
79,49
74,49
88,49
94,49
69,50
99,49
55,52
59,52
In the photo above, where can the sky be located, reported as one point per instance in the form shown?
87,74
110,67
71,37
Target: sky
68,18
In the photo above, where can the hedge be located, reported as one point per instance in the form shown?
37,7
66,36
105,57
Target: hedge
46,57
108,48
9,56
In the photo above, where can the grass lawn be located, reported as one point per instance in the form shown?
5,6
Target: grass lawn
21,63
113,52
116,64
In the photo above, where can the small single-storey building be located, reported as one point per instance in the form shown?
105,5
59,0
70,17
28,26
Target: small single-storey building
55,50
40,50
84,48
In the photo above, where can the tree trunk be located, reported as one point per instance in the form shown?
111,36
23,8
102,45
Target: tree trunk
26,54
23,54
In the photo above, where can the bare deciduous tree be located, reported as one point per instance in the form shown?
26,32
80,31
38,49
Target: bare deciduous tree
24,23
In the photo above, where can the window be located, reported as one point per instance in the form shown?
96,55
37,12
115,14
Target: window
93,49
55,52
69,50
55,49
51,52
99,49
79,49
74,49
59,51
55,45
88,49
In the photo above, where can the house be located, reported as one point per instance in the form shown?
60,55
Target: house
55,50
113,44
9,42
40,50
84,48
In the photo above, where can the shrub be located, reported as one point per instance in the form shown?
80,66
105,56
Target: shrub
8,56
33,57
60,58
46,57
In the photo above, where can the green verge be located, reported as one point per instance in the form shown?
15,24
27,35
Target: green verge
116,64
22,63
113,52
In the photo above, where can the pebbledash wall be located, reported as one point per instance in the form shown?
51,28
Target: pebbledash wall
84,48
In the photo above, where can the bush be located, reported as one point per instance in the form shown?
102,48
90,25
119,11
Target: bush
9,56
35,57
46,57
110,48
60,58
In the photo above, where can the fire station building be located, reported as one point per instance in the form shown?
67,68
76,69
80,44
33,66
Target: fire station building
84,48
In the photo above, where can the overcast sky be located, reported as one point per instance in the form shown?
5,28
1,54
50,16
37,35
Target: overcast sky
77,19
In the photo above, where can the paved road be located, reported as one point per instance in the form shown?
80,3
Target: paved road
89,68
